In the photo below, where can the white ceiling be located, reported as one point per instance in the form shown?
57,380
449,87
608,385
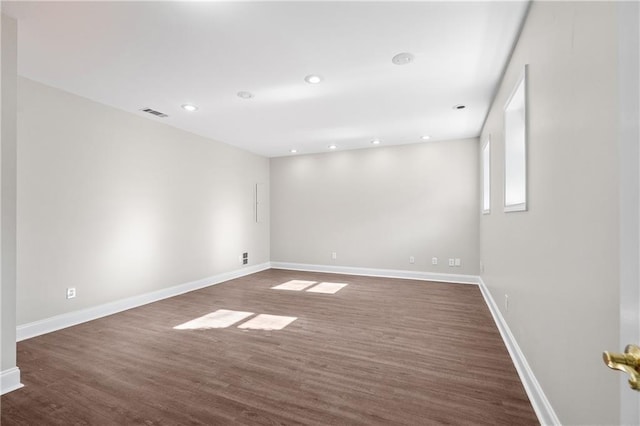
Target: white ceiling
133,55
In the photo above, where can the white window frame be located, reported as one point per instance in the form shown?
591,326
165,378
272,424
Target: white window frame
486,176
515,147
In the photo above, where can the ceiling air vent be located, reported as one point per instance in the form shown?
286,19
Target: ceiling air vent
154,112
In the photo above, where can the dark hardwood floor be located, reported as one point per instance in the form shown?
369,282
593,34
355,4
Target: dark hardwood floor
379,352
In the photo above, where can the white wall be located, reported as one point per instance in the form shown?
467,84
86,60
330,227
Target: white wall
118,205
9,374
377,207
558,262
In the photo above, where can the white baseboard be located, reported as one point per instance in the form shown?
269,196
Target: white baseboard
386,273
37,328
10,380
539,401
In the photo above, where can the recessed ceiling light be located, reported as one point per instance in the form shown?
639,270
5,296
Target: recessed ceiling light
332,146
376,141
402,58
459,106
313,79
293,151
245,95
425,137
189,107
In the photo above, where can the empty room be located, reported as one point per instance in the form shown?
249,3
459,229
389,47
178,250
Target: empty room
320,213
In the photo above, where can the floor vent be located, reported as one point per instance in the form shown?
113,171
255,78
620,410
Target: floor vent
154,112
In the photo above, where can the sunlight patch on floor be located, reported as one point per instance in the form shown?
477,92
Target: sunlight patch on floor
268,322
299,285
295,285
327,288
222,318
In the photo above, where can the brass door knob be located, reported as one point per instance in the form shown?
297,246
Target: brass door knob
629,362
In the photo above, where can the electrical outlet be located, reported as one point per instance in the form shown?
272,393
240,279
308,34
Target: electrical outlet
452,262
334,255
245,258
71,292
412,259
458,263
506,302
434,260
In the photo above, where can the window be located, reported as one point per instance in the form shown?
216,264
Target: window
515,148
486,177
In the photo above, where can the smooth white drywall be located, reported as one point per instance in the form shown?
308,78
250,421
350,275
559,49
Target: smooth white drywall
8,194
117,205
558,261
376,208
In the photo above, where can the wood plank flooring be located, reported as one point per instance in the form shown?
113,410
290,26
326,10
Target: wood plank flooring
378,352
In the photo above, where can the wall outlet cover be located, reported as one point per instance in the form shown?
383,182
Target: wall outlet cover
71,292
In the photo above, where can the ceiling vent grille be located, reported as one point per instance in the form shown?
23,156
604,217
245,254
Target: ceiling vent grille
154,112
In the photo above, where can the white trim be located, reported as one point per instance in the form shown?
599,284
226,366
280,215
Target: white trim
521,207
628,18
539,401
36,328
386,273
523,81
486,168
10,380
